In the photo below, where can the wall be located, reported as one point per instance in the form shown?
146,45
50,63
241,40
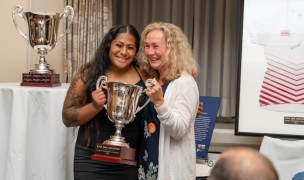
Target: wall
223,137
17,56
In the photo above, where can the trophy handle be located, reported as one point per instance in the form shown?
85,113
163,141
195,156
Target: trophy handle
148,83
140,108
18,10
102,83
68,13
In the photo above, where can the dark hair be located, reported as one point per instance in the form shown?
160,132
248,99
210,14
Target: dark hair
100,64
101,59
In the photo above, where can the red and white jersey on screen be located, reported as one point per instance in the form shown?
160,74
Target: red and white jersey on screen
282,36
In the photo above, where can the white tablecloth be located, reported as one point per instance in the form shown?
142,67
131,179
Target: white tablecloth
34,143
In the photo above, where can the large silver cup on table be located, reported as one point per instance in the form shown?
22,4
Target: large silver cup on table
122,106
42,32
42,36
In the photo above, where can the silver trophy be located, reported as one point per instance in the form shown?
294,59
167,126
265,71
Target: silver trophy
122,106
42,33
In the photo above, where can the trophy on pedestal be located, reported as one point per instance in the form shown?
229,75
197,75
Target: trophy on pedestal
122,106
42,36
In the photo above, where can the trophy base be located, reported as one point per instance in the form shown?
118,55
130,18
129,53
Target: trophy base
115,154
40,80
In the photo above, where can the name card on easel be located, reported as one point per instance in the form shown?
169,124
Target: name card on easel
204,125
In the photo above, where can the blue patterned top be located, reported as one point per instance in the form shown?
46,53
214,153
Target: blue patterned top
148,151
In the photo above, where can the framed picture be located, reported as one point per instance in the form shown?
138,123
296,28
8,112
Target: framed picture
271,69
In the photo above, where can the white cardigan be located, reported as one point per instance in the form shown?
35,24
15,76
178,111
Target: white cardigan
177,156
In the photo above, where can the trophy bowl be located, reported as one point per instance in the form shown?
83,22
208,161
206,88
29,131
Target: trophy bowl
42,36
122,106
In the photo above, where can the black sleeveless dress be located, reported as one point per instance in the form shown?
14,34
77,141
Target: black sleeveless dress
87,169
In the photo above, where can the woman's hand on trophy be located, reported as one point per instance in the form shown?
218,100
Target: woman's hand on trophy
155,93
99,99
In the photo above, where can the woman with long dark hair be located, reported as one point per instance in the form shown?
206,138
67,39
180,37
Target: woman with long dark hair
84,104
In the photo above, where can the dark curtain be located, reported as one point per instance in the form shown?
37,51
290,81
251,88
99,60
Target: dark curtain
213,27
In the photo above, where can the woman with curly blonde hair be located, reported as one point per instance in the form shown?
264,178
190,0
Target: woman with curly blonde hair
178,57
168,147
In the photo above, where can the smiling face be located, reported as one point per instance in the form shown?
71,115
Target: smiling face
156,49
122,50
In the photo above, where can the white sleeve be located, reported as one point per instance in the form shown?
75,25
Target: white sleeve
178,112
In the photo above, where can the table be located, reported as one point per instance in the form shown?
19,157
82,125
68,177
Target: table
34,143
204,167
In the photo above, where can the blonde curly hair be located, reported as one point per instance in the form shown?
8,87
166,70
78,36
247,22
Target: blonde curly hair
179,55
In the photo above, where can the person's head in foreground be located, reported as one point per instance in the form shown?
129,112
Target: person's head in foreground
242,163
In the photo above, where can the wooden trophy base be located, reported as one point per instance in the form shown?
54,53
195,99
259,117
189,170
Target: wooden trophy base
115,154
40,80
